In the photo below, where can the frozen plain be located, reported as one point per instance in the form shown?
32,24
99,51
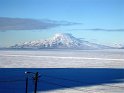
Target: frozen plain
62,59
73,59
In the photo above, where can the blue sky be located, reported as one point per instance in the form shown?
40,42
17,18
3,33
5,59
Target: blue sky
97,21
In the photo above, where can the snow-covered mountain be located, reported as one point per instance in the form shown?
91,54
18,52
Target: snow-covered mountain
60,41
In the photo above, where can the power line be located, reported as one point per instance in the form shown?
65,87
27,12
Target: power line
18,80
64,79
61,85
78,81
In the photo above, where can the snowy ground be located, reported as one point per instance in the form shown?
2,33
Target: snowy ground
62,59
102,68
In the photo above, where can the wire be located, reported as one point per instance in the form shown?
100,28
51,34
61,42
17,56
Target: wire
64,86
18,80
78,81
64,79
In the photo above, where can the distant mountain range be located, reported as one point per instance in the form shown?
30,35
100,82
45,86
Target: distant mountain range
60,41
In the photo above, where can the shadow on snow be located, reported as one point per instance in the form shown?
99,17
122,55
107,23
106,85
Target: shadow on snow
12,80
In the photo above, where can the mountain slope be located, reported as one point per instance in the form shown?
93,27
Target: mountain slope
60,40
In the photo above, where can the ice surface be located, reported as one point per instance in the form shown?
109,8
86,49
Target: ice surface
62,59
104,67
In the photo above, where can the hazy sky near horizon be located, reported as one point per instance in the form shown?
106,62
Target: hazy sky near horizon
100,21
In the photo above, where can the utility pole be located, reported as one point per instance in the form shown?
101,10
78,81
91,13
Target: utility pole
36,79
26,85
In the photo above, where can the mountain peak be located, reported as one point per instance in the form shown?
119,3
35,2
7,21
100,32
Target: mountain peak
62,35
60,40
